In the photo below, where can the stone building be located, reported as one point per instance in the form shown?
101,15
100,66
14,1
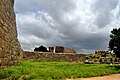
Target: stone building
59,49
10,51
69,50
51,49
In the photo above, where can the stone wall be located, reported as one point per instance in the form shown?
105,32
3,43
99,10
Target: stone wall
10,51
48,56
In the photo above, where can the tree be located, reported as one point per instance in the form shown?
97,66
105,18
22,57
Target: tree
41,49
114,43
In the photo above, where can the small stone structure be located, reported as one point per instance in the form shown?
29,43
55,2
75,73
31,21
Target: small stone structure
101,51
10,51
51,49
61,49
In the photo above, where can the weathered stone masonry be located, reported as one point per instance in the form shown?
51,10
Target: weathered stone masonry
48,56
9,45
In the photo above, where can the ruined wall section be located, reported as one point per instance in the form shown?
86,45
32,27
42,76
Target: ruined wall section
49,56
9,45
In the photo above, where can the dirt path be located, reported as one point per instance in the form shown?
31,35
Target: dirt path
110,77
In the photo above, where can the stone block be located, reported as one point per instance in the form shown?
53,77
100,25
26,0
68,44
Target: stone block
1,33
1,53
0,42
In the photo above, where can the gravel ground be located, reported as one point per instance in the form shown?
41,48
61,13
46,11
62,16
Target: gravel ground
110,77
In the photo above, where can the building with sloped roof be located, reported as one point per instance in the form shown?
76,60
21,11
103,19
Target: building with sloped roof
61,49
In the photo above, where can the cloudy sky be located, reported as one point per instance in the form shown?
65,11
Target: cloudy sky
84,25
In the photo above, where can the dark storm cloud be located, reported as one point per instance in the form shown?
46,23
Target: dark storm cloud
102,9
83,25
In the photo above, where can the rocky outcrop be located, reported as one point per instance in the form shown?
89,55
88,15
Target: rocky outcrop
10,52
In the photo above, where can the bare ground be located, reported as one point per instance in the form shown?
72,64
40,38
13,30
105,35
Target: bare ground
110,77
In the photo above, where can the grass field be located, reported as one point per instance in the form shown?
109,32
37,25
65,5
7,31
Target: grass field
28,70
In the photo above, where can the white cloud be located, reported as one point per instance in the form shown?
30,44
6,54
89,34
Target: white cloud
81,24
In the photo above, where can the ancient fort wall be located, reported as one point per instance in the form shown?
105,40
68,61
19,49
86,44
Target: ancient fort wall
9,45
49,56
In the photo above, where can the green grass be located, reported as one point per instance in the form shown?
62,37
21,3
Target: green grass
31,70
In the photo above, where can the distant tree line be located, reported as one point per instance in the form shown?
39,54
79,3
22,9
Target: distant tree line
41,49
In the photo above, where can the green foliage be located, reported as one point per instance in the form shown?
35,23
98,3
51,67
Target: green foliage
114,43
28,70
